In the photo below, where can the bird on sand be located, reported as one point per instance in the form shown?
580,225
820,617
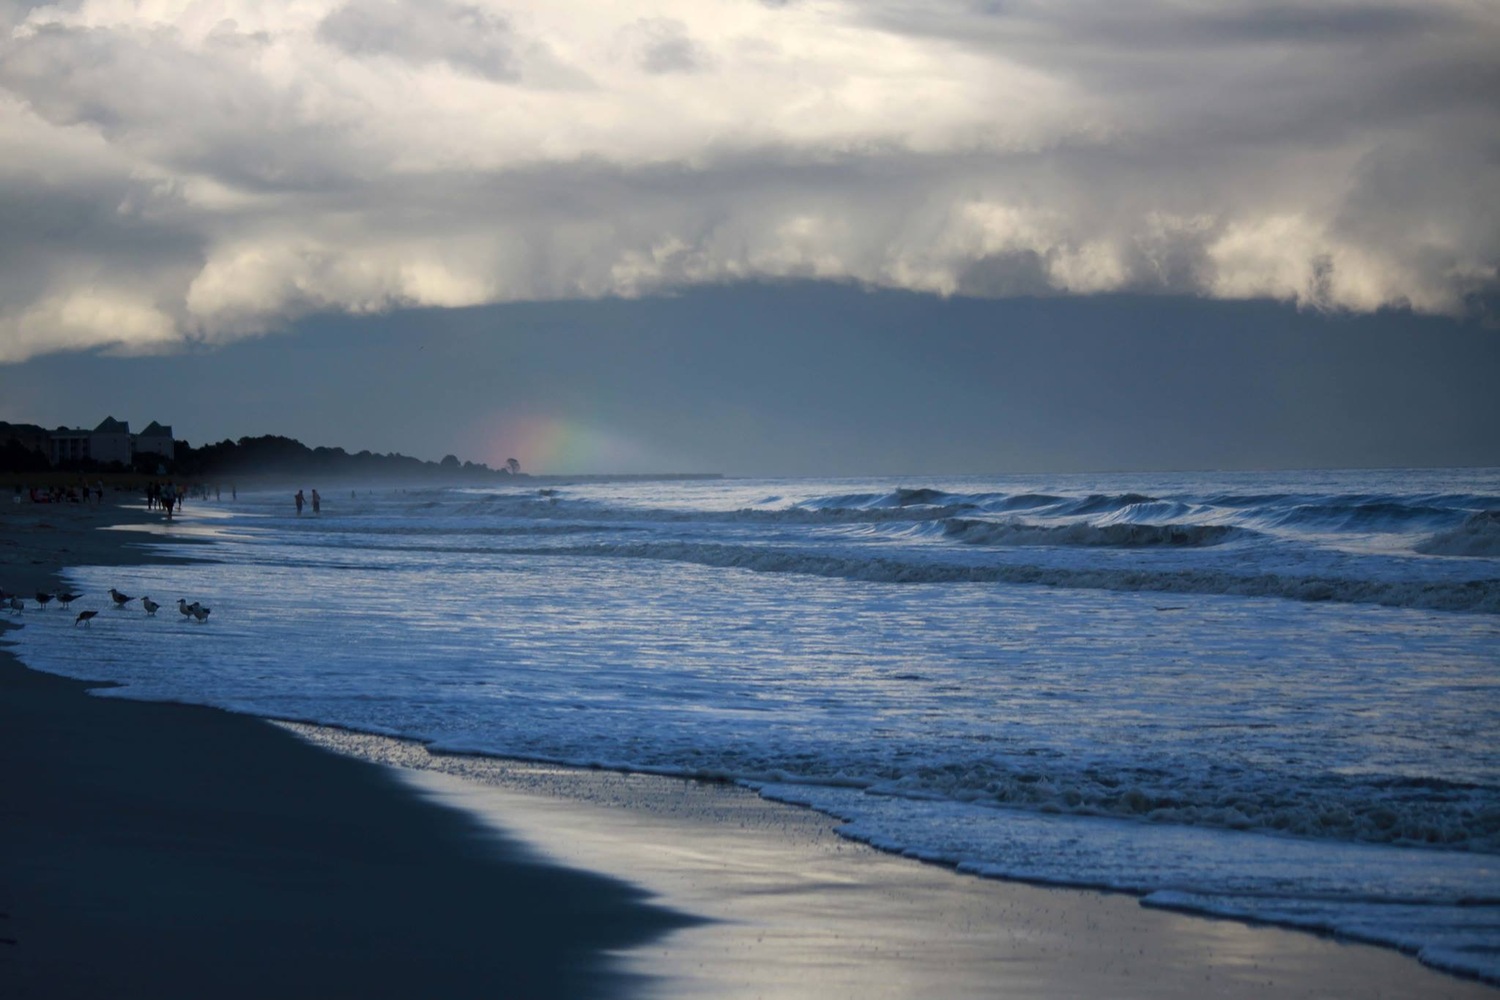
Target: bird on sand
149,605
66,599
17,605
185,607
84,617
42,599
119,598
200,612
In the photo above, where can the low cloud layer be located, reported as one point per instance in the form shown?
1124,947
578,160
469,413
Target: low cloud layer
202,171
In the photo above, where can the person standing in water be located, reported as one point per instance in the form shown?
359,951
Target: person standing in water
317,502
299,501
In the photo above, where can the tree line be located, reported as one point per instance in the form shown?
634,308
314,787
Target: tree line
272,454
267,455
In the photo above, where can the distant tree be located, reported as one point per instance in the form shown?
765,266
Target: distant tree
147,462
449,463
513,466
16,457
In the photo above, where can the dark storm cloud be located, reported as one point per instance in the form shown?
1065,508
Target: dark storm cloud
218,174
820,379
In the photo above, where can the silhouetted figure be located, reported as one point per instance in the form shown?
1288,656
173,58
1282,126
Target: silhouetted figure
299,500
317,502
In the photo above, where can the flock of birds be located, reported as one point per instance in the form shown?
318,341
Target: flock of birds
195,611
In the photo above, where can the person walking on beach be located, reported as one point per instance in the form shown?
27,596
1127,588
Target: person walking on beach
299,501
317,502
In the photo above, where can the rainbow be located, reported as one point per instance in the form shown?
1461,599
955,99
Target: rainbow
550,445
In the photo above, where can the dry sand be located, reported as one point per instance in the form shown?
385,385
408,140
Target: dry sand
170,851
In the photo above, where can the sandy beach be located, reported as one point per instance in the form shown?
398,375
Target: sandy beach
173,851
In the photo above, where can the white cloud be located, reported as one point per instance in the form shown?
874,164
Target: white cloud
206,169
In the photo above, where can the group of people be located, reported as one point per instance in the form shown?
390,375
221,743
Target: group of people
82,492
166,495
317,502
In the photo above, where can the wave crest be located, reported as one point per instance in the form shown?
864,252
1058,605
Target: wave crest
1122,535
1478,536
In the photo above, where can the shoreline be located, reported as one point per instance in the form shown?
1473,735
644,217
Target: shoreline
128,838
166,850
719,850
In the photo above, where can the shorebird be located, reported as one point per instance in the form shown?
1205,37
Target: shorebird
149,605
42,599
66,599
200,612
17,605
185,607
84,617
119,598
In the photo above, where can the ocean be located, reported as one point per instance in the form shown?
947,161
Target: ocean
1267,696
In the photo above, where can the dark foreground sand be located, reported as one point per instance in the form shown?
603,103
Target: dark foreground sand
170,851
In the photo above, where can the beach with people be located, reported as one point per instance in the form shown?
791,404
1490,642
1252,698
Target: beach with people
150,848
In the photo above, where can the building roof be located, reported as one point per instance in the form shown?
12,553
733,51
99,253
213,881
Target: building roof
154,429
112,426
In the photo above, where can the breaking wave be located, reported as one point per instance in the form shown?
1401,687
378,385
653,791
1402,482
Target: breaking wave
1119,535
1478,536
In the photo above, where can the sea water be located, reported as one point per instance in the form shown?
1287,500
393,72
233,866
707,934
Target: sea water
1269,696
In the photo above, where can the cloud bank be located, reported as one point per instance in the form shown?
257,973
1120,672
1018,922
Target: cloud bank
203,170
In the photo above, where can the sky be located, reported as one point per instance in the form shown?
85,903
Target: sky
762,238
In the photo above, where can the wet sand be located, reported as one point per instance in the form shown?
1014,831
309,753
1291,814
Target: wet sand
799,912
172,851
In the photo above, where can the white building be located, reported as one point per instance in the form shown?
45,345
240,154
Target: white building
156,440
110,442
